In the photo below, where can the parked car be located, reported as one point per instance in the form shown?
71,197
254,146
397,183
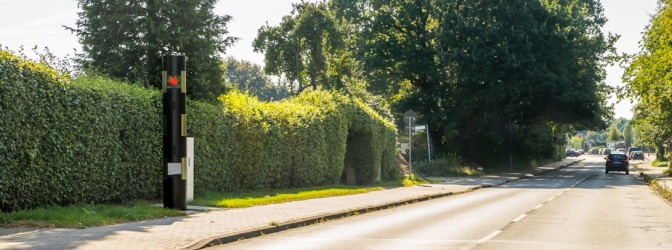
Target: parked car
637,155
617,162
606,151
571,153
632,149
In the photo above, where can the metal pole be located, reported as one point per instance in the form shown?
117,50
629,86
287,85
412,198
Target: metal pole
510,158
429,151
174,132
410,146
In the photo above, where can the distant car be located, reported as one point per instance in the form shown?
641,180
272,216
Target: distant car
617,162
606,151
571,153
637,155
633,149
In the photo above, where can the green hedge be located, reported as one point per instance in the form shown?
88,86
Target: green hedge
64,142
94,140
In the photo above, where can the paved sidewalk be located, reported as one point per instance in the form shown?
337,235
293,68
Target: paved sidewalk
645,168
198,229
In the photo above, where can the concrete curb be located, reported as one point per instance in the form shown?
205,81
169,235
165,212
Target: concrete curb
228,238
233,237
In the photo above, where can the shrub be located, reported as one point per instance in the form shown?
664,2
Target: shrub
448,165
94,140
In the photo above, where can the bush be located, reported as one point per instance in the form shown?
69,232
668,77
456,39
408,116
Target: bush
448,165
94,140
83,141
657,163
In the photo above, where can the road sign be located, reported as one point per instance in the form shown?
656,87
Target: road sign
409,117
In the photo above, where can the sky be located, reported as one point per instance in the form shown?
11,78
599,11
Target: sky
30,23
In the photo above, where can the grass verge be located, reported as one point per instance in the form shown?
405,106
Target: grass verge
83,216
263,197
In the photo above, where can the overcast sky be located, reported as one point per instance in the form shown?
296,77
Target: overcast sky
39,23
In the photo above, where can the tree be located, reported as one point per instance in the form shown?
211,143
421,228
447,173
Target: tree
627,135
614,134
127,39
247,76
472,67
648,77
307,48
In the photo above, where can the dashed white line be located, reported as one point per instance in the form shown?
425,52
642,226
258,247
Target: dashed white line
489,236
517,219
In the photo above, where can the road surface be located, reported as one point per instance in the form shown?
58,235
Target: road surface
579,207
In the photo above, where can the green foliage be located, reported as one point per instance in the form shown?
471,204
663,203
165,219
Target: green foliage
596,137
657,163
302,141
627,135
307,47
93,140
577,142
250,198
614,134
127,40
448,165
81,216
250,78
648,78
471,67
83,141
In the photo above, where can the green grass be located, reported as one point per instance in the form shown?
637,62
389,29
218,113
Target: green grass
661,164
82,216
263,197
663,191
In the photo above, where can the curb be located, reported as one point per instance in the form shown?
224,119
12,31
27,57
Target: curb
233,237
228,238
659,189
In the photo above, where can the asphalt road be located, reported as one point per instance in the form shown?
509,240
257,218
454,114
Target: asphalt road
579,207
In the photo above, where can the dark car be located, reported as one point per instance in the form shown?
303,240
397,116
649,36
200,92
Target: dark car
637,155
633,149
572,153
617,162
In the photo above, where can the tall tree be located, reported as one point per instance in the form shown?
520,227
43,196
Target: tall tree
473,68
614,134
627,135
307,48
126,40
648,78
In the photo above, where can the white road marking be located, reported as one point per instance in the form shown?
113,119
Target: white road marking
538,206
519,218
489,236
